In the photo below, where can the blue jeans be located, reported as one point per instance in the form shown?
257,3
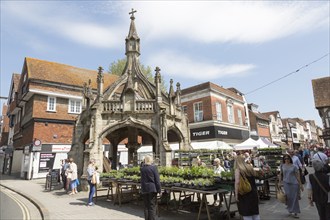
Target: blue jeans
91,191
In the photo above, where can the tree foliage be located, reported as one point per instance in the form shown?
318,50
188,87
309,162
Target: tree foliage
117,68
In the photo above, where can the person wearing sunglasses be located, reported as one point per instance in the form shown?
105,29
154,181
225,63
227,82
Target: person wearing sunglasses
290,179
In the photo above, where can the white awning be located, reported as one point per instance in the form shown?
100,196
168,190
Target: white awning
211,145
249,144
265,143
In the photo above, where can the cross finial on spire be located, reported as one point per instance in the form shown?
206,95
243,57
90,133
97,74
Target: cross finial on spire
132,13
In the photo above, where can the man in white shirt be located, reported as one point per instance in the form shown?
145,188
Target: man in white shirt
321,156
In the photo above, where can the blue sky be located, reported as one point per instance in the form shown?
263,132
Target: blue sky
233,44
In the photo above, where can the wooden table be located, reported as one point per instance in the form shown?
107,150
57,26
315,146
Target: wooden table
203,201
133,187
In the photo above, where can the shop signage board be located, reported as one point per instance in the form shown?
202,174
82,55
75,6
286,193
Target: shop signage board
46,162
217,132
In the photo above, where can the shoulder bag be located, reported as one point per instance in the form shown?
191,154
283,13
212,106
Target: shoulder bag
94,180
244,185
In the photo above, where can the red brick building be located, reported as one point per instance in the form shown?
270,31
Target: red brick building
43,112
259,123
215,113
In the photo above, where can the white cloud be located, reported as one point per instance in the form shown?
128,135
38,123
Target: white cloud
68,23
180,65
200,21
225,21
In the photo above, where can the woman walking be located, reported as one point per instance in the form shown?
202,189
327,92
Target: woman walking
290,177
318,190
247,204
92,186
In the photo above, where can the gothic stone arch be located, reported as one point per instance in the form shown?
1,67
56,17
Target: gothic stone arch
132,106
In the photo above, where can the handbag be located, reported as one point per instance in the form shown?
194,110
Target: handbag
305,172
93,180
69,176
244,185
302,176
280,195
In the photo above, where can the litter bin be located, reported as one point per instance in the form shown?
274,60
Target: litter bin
26,175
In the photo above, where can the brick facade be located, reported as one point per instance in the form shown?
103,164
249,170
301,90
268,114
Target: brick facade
209,94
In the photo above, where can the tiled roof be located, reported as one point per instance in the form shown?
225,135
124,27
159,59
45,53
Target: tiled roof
260,116
64,74
270,113
209,85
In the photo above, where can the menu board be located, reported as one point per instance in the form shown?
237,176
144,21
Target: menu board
46,162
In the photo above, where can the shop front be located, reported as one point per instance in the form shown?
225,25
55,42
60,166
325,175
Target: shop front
39,160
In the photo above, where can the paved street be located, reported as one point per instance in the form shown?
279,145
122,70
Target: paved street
56,205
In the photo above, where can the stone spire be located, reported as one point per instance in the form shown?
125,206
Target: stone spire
132,40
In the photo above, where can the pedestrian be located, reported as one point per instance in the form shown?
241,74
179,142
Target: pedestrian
306,156
226,163
264,168
150,186
290,178
218,169
200,163
64,167
91,170
297,162
247,204
318,190
74,176
321,156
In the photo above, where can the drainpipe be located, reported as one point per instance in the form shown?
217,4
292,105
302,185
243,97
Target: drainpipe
247,119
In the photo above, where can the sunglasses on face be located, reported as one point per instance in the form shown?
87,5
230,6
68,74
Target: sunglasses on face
286,158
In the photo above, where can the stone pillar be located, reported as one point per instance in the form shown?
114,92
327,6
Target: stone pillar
132,153
114,157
